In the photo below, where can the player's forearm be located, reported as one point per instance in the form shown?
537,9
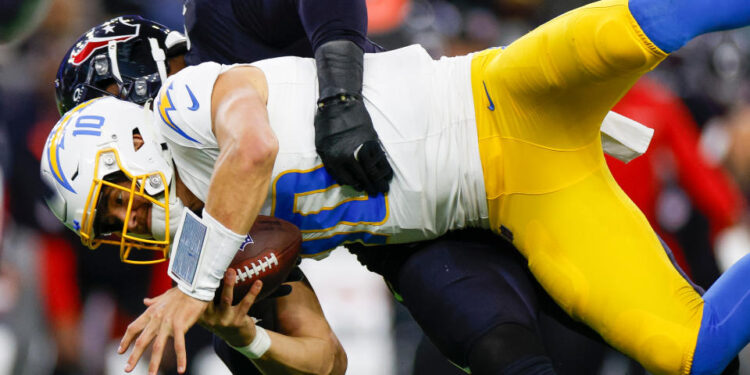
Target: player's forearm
302,355
242,172
327,20
238,189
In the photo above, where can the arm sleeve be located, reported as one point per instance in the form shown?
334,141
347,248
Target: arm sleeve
327,20
672,23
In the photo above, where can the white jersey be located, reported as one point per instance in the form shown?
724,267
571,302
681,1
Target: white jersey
423,112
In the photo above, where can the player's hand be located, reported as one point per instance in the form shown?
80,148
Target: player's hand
170,314
232,323
349,146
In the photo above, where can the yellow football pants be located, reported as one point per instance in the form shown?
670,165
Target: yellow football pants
539,105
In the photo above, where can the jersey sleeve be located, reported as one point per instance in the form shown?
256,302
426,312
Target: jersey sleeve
327,20
182,109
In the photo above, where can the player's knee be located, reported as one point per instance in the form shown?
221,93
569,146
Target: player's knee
617,46
509,349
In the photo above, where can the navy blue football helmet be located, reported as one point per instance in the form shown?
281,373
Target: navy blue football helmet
129,51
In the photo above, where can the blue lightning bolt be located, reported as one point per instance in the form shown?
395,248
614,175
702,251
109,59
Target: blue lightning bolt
165,106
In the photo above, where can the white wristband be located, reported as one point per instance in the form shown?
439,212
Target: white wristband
258,347
204,248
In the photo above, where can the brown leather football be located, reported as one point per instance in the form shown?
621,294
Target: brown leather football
269,254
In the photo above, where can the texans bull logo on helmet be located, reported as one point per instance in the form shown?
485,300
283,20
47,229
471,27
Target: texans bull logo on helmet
124,57
117,29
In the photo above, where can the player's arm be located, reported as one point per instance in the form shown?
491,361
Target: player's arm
344,135
305,343
308,341
247,145
236,191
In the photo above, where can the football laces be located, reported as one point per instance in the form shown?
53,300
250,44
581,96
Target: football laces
256,268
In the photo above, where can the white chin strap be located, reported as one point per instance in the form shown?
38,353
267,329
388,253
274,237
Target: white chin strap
160,57
112,52
159,217
156,53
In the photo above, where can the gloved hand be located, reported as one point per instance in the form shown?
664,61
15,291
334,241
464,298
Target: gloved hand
349,146
344,136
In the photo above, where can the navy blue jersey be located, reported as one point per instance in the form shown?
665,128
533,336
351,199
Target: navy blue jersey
244,31
441,281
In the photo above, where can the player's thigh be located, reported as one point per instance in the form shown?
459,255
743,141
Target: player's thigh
554,86
596,255
458,290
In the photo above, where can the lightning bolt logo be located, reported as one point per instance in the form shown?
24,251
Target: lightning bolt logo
56,142
166,106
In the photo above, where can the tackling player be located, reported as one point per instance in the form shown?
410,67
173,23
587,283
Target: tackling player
333,31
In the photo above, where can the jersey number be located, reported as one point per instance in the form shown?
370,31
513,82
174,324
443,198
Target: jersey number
308,199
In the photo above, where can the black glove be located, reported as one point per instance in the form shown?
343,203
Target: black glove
344,136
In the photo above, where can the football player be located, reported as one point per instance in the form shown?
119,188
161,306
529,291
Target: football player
226,31
507,139
307,343
118,57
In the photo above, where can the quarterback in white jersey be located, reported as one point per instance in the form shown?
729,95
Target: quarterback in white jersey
239,138
235,141
430,142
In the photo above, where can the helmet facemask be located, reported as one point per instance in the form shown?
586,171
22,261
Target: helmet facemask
137,68
92,231
135,77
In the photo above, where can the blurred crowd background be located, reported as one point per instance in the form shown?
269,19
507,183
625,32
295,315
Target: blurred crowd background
63,308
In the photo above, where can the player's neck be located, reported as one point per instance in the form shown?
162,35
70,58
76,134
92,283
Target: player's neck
176,64
186,196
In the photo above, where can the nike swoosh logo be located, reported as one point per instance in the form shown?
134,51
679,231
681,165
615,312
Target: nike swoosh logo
196,105
491,107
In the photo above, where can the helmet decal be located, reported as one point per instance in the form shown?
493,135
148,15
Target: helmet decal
129,51
56,141
165,106
122,31
89,125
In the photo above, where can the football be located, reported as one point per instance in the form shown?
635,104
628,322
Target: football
269,254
